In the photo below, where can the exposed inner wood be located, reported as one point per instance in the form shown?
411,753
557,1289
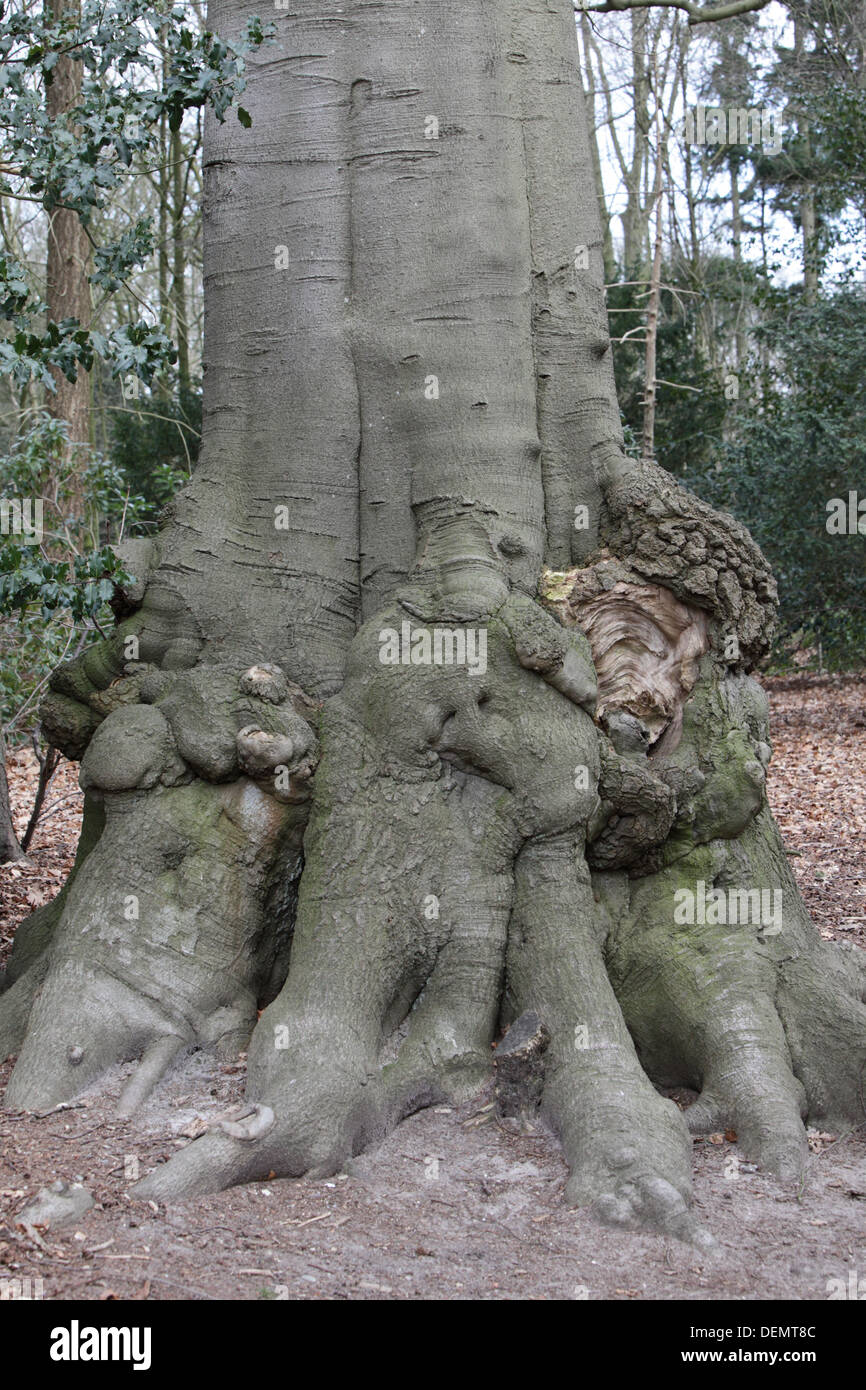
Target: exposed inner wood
646,645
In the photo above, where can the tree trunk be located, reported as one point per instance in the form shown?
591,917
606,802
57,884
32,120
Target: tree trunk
163,184
178,287
807,208
811,258
608,253
653,309
348,714
741,342
68,258
635,221
10,850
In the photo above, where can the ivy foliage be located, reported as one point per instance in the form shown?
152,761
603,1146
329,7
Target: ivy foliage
139,63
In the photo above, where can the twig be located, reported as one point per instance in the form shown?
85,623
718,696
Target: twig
47,768
64,1105
59,802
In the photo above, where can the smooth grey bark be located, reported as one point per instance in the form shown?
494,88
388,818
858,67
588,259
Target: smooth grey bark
408,401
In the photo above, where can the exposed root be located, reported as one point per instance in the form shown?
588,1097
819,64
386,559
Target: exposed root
176,949
458,807
150,1070
253,1123
404,914
182,888
723,981
430,779
214,1162
627,1147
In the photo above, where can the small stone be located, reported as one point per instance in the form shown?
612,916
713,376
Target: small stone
55,1204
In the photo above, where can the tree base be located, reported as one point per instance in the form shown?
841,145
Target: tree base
447,889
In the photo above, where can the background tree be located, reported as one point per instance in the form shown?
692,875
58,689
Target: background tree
68,252
10,849
734,291
88,98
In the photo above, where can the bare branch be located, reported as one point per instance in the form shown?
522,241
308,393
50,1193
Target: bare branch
697,14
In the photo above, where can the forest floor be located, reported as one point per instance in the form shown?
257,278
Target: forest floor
452,1205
